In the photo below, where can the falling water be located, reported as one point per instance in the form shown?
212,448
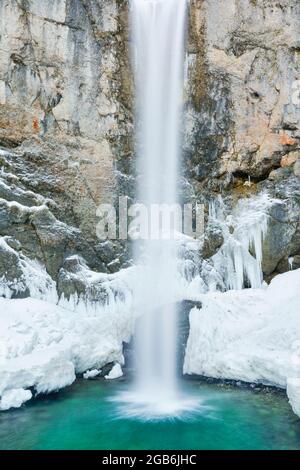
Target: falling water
158,50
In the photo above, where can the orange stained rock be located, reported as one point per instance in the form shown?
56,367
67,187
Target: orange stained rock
36,125
285,139
289,159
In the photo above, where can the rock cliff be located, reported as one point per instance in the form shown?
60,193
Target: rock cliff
66,118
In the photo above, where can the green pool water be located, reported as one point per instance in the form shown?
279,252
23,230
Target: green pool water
84,416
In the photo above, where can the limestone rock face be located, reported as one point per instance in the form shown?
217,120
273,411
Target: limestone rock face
282,242
65,74
30,222
212,240
242,87
65,95
66,116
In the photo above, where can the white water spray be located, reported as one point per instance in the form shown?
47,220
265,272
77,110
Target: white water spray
158,40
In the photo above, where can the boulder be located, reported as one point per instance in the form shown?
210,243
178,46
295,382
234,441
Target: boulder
296,168
12,281
289,159
212,240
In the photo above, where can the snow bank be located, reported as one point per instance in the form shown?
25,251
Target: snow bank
91,374
43,345
293,393
14,398
45,342
115,373
251,335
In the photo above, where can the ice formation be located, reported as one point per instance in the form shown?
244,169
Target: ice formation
33,281
244,334
239,260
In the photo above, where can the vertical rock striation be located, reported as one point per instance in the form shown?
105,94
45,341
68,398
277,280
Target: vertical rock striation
243,110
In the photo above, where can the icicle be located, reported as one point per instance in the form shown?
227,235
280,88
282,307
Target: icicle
240,258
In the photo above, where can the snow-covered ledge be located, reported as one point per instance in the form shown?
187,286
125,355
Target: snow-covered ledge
293,392
251,335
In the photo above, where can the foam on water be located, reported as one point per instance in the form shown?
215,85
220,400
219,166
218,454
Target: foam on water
157,405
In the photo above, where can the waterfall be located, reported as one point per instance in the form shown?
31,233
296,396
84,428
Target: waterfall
158,56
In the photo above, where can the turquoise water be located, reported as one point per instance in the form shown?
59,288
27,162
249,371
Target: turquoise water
85,417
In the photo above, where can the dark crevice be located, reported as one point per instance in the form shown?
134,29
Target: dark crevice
255,179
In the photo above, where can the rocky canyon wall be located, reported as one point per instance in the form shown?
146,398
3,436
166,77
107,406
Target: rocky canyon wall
66,101
65,95
243,111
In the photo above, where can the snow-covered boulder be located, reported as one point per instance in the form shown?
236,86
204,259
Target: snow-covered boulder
91,374
14,398
115,373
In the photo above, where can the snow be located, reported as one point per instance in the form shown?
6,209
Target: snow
44,345
240,257
46,341
293,393
114,290
14,398
251,335
4,152
115,373
34,278
91,374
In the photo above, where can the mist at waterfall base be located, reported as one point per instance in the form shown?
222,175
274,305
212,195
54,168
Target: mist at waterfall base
158,29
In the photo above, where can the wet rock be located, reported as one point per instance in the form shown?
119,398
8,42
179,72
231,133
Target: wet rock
276,244
13,243
212,241
11,273
279,174
294,262
296,168
183,327
289,159
106,251
76,280
282,239
114,266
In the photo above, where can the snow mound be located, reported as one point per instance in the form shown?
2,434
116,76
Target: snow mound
251,335
14,398
44,345
115,373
